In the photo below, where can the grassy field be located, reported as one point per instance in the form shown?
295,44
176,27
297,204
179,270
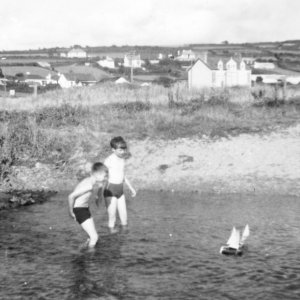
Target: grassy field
56,125
81,69
13,70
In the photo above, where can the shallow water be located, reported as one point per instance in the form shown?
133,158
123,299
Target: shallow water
170,252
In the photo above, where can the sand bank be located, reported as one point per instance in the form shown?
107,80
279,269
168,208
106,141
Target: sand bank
248,163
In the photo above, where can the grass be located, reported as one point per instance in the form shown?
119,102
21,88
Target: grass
95,72
13,70
58,125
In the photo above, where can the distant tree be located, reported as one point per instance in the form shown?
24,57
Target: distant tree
19,75
51,52
165,81
147,63
122,69
225,42
259,79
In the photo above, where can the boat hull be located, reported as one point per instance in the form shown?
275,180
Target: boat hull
231,251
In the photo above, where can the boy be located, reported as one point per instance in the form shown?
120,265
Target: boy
114,195
79,198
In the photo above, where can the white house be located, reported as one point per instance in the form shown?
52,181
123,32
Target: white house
44,64
52,79
264,65
108,62
293,79
68,80
77,53
161,56
122,80
268,78
186,55
154,61
3,81
275,78
218,74
32,79
132,60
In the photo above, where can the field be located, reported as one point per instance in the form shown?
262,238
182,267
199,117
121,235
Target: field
13,70
97,73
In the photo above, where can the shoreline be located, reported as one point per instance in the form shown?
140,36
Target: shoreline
18,198
249,163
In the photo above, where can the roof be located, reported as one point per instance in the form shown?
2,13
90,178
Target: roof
187,52
77,50
79,77
98,74
55,77
107,58
212,62
44,64
266,59
121,80
133,56
33,76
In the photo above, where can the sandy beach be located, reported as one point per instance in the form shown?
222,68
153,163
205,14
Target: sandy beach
245,163
248,163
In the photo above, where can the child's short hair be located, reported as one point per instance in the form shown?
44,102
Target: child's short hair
118,142
99,167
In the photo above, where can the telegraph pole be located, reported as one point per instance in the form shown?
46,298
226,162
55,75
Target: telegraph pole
131,55
131,72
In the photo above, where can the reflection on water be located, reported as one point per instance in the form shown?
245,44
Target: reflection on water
171,251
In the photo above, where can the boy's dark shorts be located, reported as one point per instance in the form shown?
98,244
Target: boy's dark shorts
114,190
81,214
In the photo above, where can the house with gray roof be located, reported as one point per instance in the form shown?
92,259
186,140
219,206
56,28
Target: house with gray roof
215,73
68,80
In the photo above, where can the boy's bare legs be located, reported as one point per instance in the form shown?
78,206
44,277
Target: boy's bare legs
121,206
89,227
111,203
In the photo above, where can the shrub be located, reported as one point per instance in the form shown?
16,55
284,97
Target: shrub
164,81
19,87
132,107
63,115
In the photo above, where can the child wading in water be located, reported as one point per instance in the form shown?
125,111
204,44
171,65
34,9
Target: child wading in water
114,195
79,198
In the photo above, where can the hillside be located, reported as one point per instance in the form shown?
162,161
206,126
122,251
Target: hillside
13,70
97,73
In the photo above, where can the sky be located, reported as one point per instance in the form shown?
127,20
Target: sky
34,24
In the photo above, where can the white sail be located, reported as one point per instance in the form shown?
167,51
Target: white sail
231,235
245,234
234,239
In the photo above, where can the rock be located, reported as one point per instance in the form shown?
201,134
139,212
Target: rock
16,198
185,158
163,168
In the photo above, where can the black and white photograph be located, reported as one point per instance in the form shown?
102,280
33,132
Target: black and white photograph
149,150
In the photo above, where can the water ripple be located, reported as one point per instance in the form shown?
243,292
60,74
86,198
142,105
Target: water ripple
171,251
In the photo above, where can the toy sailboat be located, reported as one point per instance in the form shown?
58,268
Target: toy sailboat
235,243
